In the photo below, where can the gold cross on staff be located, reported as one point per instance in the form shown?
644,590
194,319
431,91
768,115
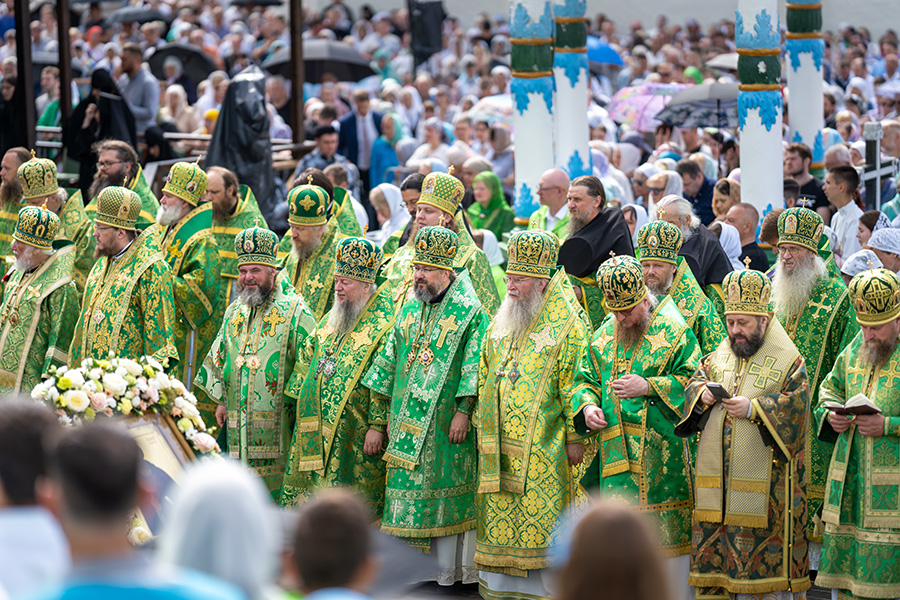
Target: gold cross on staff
447,325
765,372
747,262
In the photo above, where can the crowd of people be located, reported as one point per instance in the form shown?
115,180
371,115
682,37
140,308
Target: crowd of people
645,336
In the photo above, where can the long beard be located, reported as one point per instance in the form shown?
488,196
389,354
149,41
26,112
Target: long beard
256,297
100,183
515,315
168,215
220,211
746,349
627,337
302,251
27,261
875,352
576,223
687,234
345,314
427,292
10,193
791,291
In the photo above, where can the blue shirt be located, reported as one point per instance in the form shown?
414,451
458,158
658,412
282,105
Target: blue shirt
138,578
702,202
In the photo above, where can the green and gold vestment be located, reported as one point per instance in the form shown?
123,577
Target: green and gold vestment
428,366
824,327
698,311
314,278
538,220
343,214
37,319
192,255
468,257
9,215
861,549
244,217
334,410
75,226
749,533
641,461
524,422
247,369
138,185
128,307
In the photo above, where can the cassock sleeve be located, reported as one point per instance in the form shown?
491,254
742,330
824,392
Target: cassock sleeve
680,368
380,376
587,388
692,420
62,314
567,358
834,388
158,309
210,381
468,381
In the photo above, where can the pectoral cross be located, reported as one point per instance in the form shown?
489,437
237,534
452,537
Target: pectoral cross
173,248
314,284
820,305
765,372
447,325
361,338
406,322
747,262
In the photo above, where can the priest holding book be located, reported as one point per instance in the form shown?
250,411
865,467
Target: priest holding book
861,549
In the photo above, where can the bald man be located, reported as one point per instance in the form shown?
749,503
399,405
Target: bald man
745,219
553,215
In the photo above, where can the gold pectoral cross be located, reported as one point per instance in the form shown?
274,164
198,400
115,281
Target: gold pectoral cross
447,325
173,248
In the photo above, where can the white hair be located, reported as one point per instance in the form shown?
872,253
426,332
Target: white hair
681,206
841,154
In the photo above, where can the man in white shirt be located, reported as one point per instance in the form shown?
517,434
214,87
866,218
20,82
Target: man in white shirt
840,188
553,215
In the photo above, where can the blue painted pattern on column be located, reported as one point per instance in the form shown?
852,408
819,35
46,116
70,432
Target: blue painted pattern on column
521,87
770,105
573,63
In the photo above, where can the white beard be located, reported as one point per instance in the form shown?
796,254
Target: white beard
515,315
791,291
168,215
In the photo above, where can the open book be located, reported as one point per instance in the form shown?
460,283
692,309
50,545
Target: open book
857,405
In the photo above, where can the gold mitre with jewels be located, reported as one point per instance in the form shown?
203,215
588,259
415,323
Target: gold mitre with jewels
37,177
660,241
436,247
118,207
36,227
747,292
532,253
187,181
875,294
800,226
358,258
308,205
256,246
621,279
443,191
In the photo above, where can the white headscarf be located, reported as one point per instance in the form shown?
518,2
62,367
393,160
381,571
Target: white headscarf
630,157
399,215
731,244
858,262
222,523
640,219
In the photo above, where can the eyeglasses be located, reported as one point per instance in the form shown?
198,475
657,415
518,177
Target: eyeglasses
514,281
103,164
421,269
656,190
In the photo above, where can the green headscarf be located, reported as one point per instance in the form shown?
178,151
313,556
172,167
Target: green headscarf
497,216
398,130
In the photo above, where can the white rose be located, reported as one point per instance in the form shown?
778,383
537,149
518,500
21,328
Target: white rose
52,393
121,371
96,373
61,371
39,392
179,402
190,411
162,380
204,442
90,386
75,377
139,535
115,384
131,366
77,400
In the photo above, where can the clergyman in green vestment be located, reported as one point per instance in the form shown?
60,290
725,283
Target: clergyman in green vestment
117,165
234,209
252,357
128,308
310,246
666,273
185,223
428,366
40,301
10,200
749,532
815,310
438,203
528,449
630,388
339,437
861,549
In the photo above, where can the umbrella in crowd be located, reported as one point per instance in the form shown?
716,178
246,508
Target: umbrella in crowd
707,105
638,105
197,65
135,14
602,53
493,109
321,57
724,62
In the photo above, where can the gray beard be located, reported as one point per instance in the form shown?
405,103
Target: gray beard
427,293
874,353
791,291
344,315
303,252
687,234
576,224
168,215
662,289
256,297
515,315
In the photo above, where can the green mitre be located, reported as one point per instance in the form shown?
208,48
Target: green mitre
800,226
621,279
532,253
187,181
358,258
256,246
660,241
436,247
308,205
36,226
876,296
747,292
